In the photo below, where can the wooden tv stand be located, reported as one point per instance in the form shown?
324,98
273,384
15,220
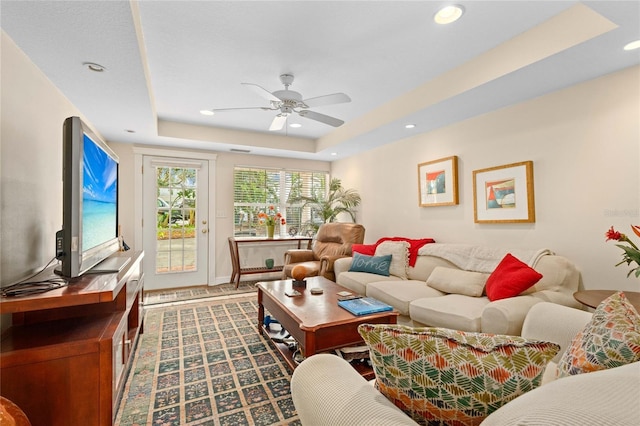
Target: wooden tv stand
64,359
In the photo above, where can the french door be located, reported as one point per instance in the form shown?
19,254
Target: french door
175,222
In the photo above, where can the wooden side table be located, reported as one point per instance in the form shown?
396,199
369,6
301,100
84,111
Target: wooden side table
592,298
235,254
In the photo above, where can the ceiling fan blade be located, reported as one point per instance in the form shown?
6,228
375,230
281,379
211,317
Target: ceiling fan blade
278,122
232,109
261,91
331,121
336,98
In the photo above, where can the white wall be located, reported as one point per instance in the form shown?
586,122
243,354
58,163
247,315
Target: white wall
33,111
585,145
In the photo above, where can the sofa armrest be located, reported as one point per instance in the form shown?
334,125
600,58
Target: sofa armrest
341,265
298,256
554,323
605,397
505,316
558,297
327,390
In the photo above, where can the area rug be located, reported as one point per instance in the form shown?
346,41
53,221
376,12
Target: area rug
155,297
206,364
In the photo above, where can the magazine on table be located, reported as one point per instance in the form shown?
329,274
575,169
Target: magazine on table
364,306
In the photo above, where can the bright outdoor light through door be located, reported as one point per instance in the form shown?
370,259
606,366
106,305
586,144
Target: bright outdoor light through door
176,248
175,225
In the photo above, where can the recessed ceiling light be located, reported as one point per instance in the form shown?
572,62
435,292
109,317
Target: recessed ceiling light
206,112
295,125
448,14
129,131
409,126
633,45
334,153
94,67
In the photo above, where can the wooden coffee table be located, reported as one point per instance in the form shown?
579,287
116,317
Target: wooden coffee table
316,321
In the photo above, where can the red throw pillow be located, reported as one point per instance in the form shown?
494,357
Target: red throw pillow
510,278
368,249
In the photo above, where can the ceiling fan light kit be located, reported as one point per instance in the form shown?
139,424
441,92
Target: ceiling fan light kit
288,102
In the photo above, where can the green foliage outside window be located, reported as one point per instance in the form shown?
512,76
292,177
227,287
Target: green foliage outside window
256,189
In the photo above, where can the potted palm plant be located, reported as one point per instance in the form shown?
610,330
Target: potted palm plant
327,207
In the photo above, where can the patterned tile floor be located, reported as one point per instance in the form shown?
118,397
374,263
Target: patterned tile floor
197,292
206,364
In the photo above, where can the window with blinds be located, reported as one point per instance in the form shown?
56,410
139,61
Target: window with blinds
255,189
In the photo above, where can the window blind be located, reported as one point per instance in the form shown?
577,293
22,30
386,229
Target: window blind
255,189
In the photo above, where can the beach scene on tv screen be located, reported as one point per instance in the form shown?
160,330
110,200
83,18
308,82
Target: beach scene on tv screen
99,196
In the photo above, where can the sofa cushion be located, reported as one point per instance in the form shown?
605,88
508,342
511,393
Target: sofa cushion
558,274
453,377
425,265
610,339
451,311
378,265
457,281
510,278
400,293
358,281
399,250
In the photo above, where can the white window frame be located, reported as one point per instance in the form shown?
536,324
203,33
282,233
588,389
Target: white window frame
299,223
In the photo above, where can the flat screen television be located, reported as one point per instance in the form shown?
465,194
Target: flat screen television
89,234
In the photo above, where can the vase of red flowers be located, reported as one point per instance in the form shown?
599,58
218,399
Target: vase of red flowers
631,252
270,219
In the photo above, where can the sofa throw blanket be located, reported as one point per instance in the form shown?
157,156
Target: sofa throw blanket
480,259
414,246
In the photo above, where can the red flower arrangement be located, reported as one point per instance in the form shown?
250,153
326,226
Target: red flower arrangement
271,217
631,252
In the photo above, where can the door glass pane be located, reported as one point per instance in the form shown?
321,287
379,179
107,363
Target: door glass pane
176,249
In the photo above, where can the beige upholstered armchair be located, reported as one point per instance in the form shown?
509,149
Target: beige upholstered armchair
333,241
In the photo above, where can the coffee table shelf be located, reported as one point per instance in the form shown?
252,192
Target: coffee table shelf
287,354
316,322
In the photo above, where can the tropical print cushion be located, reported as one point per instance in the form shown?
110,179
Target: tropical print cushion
610,339
441,376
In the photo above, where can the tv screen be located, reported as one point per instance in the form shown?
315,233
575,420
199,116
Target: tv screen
99,195
89,232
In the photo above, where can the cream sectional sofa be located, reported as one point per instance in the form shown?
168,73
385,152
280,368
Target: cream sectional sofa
327,390
421,304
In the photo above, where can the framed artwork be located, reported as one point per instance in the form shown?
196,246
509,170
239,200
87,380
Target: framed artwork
438,182
504,194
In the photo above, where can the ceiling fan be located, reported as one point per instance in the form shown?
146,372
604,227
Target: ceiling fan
287,102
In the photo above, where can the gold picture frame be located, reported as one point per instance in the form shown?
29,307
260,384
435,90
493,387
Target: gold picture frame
504,194
438,182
